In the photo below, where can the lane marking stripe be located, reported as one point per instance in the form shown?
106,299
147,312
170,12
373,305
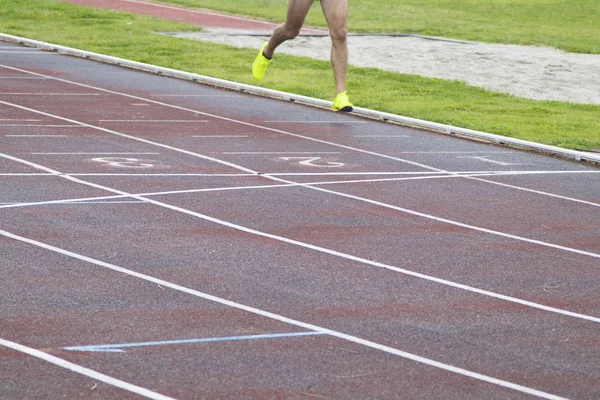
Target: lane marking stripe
56,136
153,120
93,153
40,126
236,166
329,251
220,136
279,131
291,321
52,94
84,371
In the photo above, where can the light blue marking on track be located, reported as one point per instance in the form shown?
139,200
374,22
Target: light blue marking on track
116,348
68,203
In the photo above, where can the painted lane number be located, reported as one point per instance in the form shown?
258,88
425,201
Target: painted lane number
314,162
122,162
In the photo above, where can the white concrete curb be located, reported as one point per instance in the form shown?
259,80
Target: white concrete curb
364,112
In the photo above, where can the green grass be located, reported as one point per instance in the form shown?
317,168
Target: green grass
450,102
572,26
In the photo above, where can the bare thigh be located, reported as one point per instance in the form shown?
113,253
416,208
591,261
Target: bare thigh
336,14
296,13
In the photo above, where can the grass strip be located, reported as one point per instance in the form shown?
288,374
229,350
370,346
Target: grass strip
573,26
449,102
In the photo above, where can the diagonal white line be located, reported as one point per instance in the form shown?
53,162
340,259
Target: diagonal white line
322,249
290,321
84,371
188,191
129,137
152,120
283,132
405,210
52,94
51,136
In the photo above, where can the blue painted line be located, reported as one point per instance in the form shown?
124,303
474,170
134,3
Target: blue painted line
116,348
66,203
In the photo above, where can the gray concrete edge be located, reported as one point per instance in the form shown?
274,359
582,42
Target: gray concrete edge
363,112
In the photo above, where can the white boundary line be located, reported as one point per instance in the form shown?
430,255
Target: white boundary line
216,189
290,321
51,94
83,371
338,253
251,125
422,176
38,136
464,174
448,129
248,170
242,123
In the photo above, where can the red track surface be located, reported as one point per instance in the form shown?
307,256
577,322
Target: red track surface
476,269
202,18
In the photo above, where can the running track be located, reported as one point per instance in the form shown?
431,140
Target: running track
164,239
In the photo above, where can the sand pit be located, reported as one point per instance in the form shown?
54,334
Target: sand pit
538,73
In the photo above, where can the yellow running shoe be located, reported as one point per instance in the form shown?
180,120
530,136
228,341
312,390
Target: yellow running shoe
260,64
341,103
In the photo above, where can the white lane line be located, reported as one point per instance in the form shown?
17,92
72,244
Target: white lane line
153,120
24,174
383,136
226,188
455,223
84,371
456,174
267,129
52,136
116,348
21,51
40,126
317,122
486,159
498,172
279,152
191,191
556,196
338,253
416,213
193,95
24,77
220,136
457,152
236,166
20,120
159,175
52,94
290,321
47,154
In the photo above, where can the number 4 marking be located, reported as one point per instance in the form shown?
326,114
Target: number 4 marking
310,162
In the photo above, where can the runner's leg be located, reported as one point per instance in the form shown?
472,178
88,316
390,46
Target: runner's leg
336,14
296,13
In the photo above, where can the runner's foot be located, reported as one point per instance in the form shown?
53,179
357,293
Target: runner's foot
260,64
341,103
